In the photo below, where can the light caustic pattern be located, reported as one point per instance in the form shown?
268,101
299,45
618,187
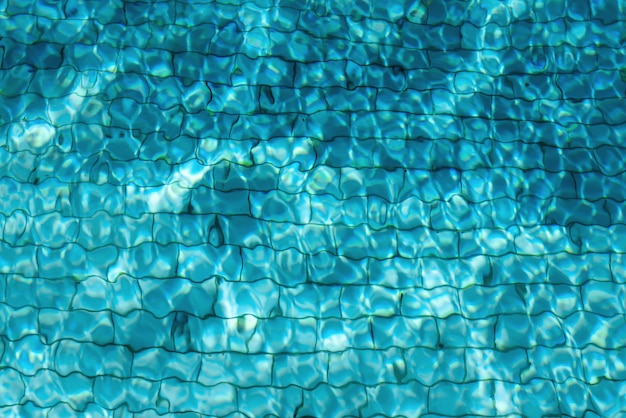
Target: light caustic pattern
292,208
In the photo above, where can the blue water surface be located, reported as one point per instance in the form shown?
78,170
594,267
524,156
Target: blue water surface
312,208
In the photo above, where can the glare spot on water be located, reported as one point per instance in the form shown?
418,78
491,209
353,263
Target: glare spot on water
166,198
271,67
496,242
189,174
39,134
29,135
335,342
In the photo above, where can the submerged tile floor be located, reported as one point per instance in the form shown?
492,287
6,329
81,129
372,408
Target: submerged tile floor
291,208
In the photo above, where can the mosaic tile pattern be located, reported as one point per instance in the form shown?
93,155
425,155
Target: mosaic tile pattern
307,208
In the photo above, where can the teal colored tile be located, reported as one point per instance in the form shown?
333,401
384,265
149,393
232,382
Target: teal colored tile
236,368
92,360
183,366
47,388
327,400
138,394
14,386
79,325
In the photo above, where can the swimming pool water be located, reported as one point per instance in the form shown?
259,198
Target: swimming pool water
312,208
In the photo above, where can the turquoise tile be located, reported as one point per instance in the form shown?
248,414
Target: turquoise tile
138,394
79,325
301,335
523,400
183,366
19,260
516,330
608,396
47,389
326,400
13,385
502,366
404,331
446,398
283,400
141,329
236,368
183,397
91,359
304,370
412,398
456,331
235,300
553,363
573,389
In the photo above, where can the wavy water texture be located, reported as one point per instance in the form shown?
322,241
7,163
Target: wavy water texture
312,208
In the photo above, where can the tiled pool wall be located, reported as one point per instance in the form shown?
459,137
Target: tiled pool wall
327,209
